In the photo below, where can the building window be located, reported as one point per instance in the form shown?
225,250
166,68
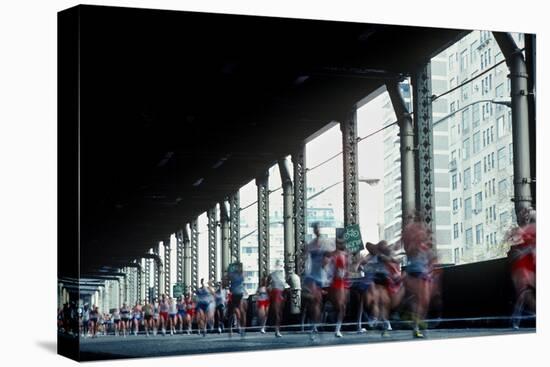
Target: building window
479,234
469,237
492,133
504,217
455,231
467,179
511,153
473,52
492,160
501,127
466,121
501,158
478,202
453,181
466,149
457,256
468,208
455,205
475,115
465,91
463,60
477,172
503,187
476,142
484,164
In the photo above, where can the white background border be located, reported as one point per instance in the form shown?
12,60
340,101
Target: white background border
28,183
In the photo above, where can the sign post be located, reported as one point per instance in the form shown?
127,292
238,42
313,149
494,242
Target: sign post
352,236
177,290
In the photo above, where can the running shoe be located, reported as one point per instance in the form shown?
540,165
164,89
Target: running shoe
312,333
385,333
338,334
278,334
262,330
362,331
417,334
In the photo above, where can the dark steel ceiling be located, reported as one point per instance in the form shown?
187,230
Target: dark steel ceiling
167,96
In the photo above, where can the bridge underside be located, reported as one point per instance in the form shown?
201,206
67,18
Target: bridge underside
179,110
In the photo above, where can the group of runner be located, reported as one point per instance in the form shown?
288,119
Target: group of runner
372,277
378,284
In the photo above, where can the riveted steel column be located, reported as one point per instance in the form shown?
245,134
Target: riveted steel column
187,267
148,294
130,282
234,203
226,238
520,123
262,184
425,191
179,257
212,243
300,206
351,183
194,254
167,264
159,275
156,274
406,134
138,281
288,217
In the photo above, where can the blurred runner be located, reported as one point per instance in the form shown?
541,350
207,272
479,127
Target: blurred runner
316,259
172,314
522,258
237,308
417,243
124,318
276,286
205,306
262,304
221,304
340,283
181,316
147,316
190,310
136,316
94,317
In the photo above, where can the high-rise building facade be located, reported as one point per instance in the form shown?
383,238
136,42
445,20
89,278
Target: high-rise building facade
480,156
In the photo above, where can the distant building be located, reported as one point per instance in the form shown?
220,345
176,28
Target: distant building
318,210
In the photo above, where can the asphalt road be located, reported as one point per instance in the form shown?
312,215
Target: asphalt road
111,347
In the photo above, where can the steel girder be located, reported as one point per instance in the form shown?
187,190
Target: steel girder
194,254
300,206
422,99
234,217
262,184
212,243
351,183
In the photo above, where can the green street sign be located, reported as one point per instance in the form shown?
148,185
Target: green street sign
177,289
352,236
